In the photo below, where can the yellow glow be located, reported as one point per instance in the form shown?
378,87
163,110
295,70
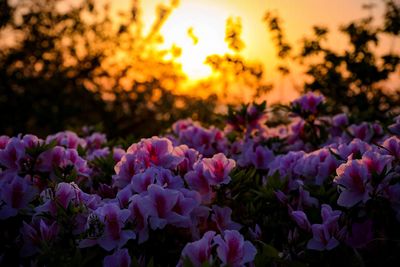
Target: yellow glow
206,37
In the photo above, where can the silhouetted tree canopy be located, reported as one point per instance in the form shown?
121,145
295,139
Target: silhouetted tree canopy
68,65
351,79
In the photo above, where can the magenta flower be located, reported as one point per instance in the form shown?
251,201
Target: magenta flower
322,238
120,258
232,250
217,169
199,252
353,179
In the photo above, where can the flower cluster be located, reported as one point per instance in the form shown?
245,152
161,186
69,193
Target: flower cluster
251,194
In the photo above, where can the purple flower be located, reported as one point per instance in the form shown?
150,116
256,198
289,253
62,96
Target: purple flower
98,153
360,234
232,250
35,235
4,141
63,158
120,258
12,154
95,141
16,193
182,210
160,152
301,219
256,155
222,218
139,215
392,146
395,127
217,169
340,120
309,102
189,155
126,168
322,238
197,181
376,163
66,139
112,236
199,252
316,166
362,131
353,180
285,164
355,149
160,205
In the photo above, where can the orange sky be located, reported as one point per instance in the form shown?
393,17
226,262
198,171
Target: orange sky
208,17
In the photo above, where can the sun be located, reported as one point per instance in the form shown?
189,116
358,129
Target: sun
199,30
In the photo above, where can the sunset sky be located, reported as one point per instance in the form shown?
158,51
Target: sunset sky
208,19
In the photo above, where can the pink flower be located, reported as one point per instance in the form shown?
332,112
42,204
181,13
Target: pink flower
217,169
199,252
232,250
353,180
120,258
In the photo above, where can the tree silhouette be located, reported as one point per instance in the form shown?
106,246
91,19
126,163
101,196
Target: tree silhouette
350,79
71,65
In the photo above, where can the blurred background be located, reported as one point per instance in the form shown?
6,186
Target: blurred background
132,68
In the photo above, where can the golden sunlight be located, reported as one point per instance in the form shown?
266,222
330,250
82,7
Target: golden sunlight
199,31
